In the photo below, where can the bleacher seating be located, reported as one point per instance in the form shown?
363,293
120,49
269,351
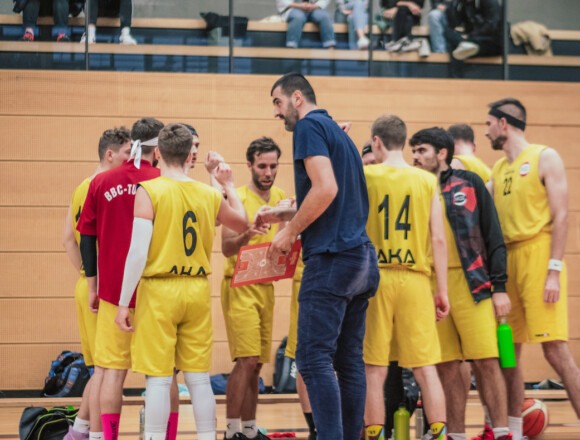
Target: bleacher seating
181,45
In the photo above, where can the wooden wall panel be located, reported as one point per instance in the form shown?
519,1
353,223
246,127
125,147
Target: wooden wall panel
47,153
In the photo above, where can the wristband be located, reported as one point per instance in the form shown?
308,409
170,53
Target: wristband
555,265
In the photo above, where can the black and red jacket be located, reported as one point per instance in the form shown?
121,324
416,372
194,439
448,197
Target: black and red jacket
478,236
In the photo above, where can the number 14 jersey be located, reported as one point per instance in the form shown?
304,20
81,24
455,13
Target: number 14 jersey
400,208
183,228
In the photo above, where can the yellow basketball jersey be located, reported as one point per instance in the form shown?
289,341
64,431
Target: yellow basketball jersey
299,269
520,197
400,207
252,202
475,165
77,201
183,229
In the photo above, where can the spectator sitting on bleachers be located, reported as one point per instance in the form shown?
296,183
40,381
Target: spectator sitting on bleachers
353,12
438,23
297,13
481,20
402,15
125,14
30,14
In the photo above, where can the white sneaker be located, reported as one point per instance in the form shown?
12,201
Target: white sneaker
411,46
363,43
466,49
126,37
92,38
395,46
425,49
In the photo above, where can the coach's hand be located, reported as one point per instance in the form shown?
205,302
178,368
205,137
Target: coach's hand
281,245
501,304
441,306
552,287
123,319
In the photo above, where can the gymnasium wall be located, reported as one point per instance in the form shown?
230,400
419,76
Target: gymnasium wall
51,122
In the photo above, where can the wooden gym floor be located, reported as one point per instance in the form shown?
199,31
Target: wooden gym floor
283,414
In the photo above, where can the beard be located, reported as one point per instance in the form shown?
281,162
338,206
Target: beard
261,186
291,118
498,142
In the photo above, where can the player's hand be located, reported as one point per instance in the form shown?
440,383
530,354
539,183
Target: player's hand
224,174
501,304
286,203
266,215
281,245
212,160
93,301
552,287
123,319
441,306
257,229
345,126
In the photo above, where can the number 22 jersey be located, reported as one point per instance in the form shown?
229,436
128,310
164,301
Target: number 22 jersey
399,213
183,228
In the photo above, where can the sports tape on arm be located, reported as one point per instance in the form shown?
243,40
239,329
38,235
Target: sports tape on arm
136,258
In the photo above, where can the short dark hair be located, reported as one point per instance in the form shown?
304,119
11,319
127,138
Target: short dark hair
462,132
391,130
366,149
293,81
113,139
146,129
175,141
192,130
511,106
262,145
438,137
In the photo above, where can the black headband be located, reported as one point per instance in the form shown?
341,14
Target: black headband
518,123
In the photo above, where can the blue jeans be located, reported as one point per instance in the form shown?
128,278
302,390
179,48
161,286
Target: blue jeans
437,25
357,20
296,20
333,301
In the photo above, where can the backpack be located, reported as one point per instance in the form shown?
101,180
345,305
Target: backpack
46,424
284,371
67,377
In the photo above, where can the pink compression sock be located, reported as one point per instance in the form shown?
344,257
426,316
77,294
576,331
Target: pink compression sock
172,426
110,426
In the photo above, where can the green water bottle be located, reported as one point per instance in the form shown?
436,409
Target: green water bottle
401,423
505,344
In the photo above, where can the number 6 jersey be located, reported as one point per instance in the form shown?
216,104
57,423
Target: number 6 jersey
400,208
183,228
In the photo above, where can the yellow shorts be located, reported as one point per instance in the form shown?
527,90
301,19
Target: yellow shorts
248,314
531,319
402,312
173,326
87,320
469,331
293,330
112,346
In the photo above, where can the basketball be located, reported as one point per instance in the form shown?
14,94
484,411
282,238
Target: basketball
535,417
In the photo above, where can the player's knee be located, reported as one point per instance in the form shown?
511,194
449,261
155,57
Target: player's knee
554,352
250,364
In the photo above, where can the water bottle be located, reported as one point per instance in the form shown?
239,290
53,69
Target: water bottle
419,420
505,343
142,423
401,423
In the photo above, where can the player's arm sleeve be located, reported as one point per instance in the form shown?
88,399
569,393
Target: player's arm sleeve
492,235
136,258
88,248
309,140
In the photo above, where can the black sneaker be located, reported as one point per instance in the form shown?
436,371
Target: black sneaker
260,436
237,436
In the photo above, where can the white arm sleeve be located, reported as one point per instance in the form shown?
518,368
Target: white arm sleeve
136,258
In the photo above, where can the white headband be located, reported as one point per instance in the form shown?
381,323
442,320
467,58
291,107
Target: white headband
136,150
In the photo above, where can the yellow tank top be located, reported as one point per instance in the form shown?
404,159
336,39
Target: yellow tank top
400,207
475,165
520,197
183,228
252,202
77,201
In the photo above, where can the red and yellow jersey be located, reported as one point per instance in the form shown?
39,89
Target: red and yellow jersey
399,214
520,197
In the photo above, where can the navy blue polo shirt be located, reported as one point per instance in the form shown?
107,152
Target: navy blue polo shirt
342,225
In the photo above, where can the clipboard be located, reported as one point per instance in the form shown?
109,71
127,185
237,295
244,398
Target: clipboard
252,266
